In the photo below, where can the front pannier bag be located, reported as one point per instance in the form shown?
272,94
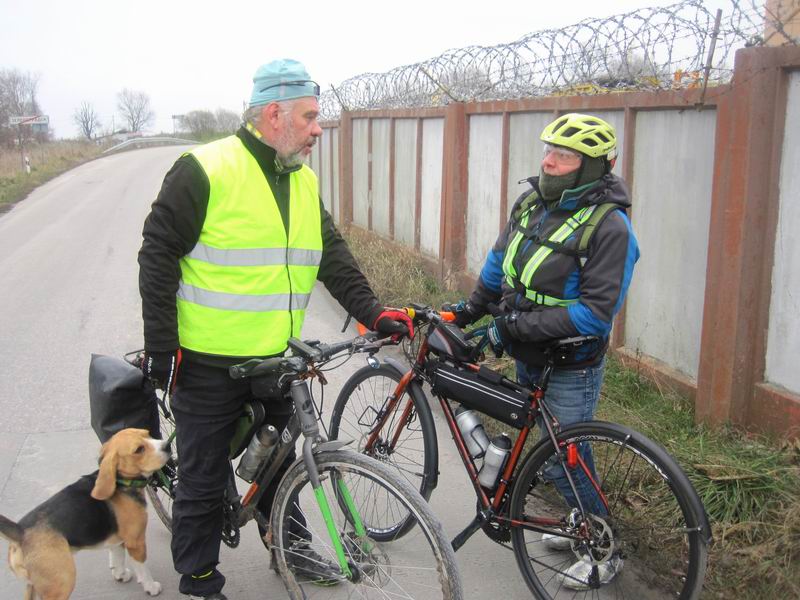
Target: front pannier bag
480,391
120,397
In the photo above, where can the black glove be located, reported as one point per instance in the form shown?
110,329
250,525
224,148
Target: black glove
395,322
499,336
161,368
465,312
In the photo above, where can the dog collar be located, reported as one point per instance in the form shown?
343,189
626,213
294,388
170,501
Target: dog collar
132,483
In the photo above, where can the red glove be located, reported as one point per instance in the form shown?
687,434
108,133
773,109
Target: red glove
394,322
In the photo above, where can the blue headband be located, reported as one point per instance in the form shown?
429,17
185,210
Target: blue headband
283,79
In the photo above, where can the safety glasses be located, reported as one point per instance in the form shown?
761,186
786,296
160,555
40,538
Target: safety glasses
563,156
303,82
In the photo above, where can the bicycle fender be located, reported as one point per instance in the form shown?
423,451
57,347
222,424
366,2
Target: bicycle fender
395,364
331,446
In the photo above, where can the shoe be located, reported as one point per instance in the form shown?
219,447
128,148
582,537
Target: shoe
217,596
555,542
578,575
305,563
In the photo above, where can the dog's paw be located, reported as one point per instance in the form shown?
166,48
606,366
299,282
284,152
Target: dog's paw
121,574
153,588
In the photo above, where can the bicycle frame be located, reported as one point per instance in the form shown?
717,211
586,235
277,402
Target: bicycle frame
491,509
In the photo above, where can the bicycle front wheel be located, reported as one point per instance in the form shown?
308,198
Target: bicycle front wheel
420,564
408,445
644,536
161,487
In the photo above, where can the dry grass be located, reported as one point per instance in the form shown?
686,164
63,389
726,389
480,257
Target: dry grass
750,485
47,161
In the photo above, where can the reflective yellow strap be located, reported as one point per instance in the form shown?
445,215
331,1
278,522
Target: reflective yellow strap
545,300
562,233
511,251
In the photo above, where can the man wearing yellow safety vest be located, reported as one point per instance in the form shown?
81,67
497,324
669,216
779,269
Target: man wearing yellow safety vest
560,268
232,247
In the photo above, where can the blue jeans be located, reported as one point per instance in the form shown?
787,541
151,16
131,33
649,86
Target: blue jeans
571,396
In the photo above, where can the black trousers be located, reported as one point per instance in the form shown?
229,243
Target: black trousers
206,404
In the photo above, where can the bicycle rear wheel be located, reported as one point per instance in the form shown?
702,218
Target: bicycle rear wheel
420,564
161,487
362,404
650,542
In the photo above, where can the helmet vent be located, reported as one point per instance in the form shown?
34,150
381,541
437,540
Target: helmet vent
570,132
590,142
601,136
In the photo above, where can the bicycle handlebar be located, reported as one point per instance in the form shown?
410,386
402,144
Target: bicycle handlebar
304,354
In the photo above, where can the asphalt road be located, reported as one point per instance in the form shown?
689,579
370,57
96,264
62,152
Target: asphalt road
68,275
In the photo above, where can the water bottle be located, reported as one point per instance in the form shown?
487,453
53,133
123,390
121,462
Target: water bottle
260,446
494,460
472,429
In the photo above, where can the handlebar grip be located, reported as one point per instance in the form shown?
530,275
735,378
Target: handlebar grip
254,367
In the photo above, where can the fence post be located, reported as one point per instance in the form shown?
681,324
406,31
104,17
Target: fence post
744,202
453,238
345,169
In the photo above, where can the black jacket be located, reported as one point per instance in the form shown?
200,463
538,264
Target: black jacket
173,227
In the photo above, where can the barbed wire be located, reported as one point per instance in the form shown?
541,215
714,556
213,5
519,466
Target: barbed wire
650,48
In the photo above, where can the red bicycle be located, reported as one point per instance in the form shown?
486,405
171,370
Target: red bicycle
596,494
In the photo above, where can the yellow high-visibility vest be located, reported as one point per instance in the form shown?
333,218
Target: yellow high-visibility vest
245,286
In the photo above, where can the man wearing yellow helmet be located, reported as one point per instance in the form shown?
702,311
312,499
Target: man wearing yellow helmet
560,268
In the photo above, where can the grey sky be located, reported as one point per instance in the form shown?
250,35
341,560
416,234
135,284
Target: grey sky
202,55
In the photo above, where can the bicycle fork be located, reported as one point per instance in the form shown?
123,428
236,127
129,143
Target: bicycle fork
310,430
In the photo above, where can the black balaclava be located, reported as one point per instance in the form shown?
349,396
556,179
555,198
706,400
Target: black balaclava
554,186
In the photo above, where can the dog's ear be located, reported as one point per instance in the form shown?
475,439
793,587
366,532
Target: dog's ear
106,482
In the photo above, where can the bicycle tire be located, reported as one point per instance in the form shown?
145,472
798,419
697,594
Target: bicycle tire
161,488
655,522
420,564
416,454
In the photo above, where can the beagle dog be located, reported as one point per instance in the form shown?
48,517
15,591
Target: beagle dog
104,509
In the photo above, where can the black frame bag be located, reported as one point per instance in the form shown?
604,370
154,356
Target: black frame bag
481,391
120,396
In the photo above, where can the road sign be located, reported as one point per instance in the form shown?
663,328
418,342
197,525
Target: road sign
32,120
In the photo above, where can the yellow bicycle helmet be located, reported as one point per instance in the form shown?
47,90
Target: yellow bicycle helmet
583,133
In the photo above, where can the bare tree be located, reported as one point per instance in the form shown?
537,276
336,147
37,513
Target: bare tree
227,120
134,107
17,99
200,123
87,120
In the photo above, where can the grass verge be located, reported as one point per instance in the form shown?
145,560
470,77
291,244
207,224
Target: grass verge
750,485
47,161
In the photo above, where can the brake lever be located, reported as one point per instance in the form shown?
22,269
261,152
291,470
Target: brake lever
347,322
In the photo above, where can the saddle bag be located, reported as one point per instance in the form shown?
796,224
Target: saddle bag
480,391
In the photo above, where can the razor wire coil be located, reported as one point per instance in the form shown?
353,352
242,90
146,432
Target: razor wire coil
647,49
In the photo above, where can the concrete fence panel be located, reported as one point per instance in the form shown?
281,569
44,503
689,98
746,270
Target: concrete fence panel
405,180
673,168
380,161
483,199
783,337
361,177
333,134
524,151
431,186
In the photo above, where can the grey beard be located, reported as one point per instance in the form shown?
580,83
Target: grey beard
293,160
